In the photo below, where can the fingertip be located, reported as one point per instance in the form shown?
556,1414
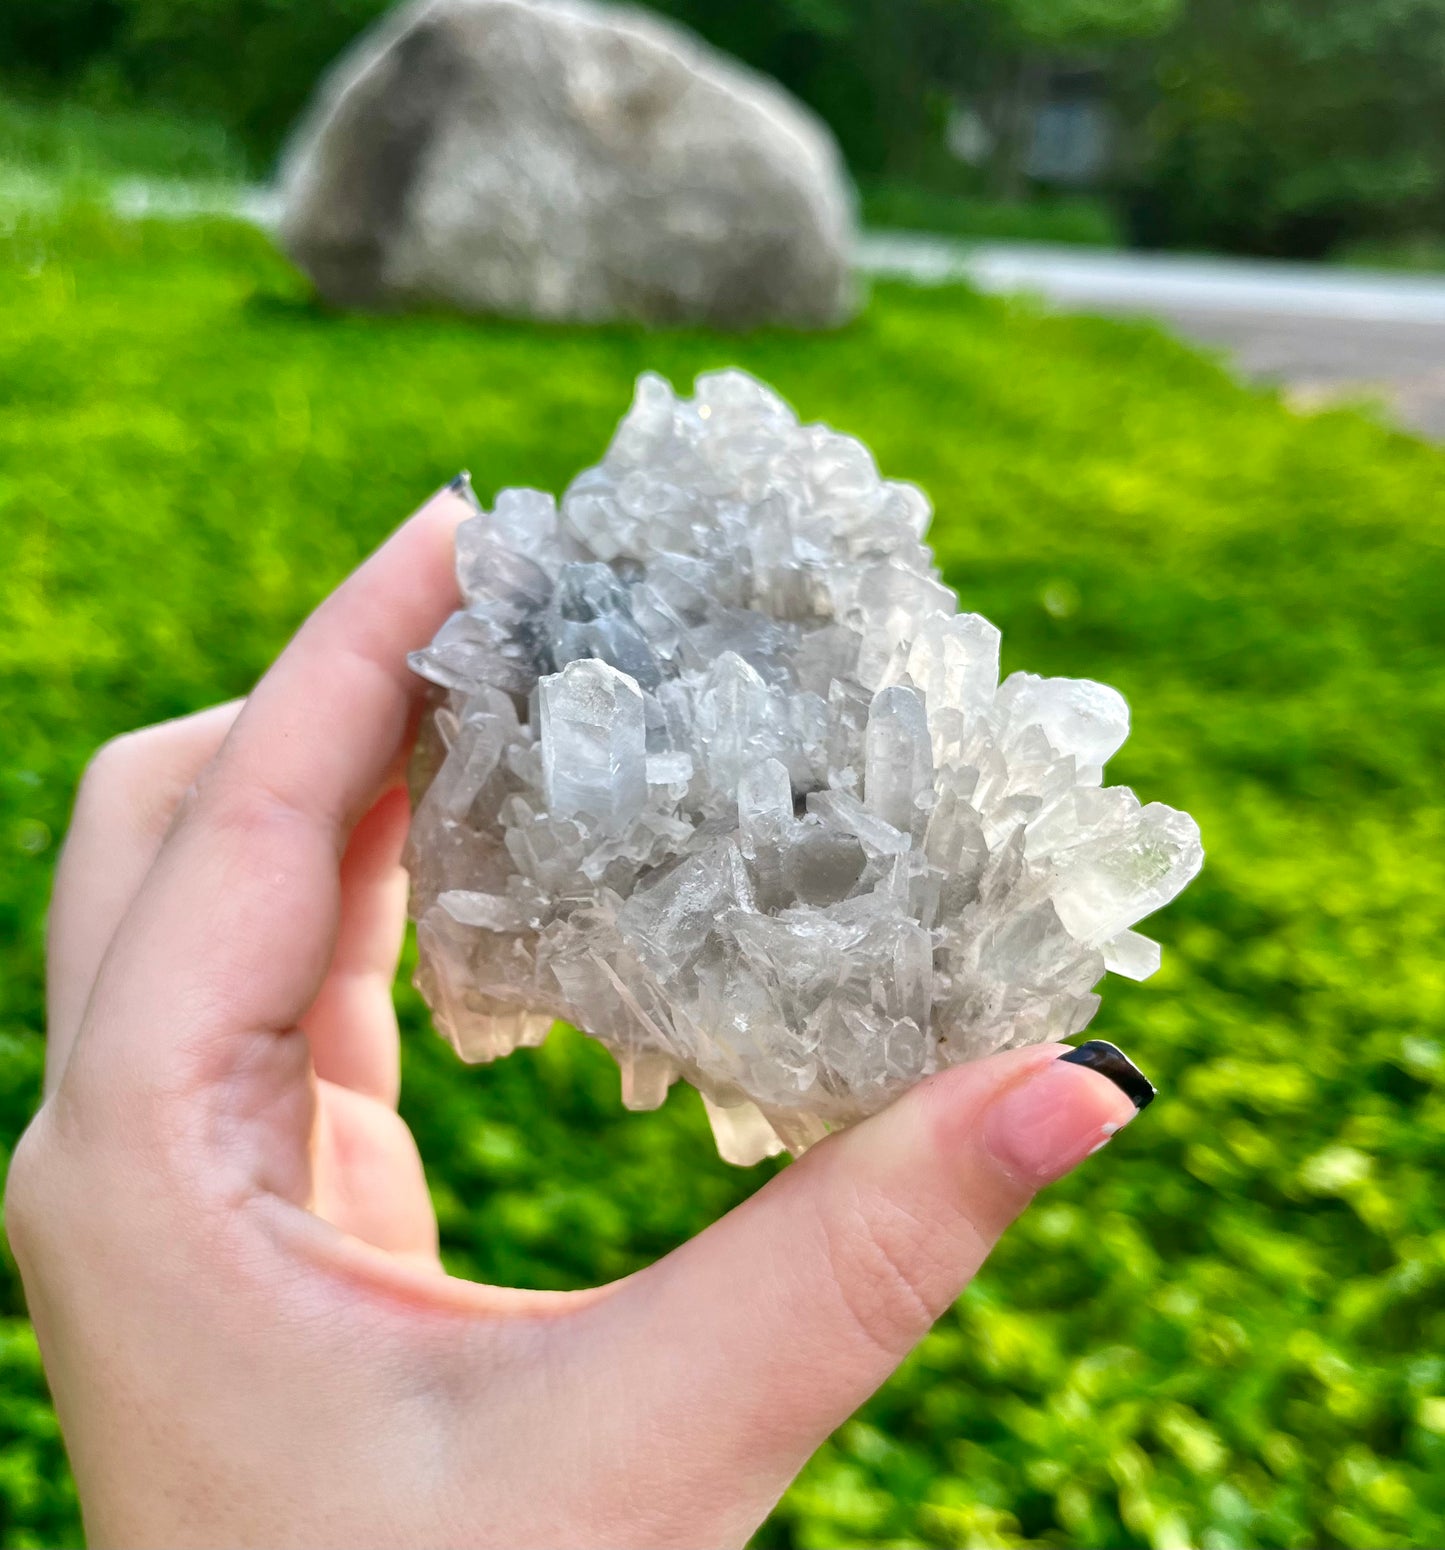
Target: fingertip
453,503
995,1131
1060,1111
936,1124
434,525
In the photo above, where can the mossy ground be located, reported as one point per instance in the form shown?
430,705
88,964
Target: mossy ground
1226,1331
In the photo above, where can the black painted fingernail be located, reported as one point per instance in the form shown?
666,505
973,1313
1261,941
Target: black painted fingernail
461,487
1109,1060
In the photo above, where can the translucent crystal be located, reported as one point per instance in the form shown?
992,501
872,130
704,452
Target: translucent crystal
718,773
594,743
765,796
898,758
1087,720
953,660
1132,955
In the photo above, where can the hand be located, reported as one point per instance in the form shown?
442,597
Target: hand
224,1228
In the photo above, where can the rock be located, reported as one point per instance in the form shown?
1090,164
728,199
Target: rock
566,160
727,781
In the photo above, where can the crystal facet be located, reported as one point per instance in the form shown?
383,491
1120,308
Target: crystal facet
718,773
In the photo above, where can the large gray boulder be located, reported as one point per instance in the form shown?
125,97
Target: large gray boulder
560,159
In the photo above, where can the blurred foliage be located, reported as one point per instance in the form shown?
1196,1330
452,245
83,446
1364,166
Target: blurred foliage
1418,255
908,207
1280,127
1228,1329
81,141
1074,24
1290,126
53,38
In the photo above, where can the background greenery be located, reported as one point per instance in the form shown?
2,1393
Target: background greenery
1227,1330
1275,126
78,146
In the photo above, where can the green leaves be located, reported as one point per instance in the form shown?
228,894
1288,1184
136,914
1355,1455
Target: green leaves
1071,24
1228,156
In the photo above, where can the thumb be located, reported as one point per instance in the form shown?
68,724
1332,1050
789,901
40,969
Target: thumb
763,1334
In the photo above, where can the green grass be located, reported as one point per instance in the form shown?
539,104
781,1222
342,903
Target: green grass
1227,1330
1077,220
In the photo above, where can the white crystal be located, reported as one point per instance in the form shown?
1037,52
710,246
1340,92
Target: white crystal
594,748
898,758
1134,956
719,774
765,795
669,769
482,909
1088,720
1108,882
954,662
742,1132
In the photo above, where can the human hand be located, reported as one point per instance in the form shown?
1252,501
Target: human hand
224,1229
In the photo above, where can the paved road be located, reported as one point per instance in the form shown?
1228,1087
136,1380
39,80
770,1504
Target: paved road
1322,334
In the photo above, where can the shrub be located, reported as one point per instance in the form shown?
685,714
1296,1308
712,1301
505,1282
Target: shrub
74,142
1078,221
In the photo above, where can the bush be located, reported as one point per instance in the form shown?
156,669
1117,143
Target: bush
1227,1329
908,207
1420,254
73,142
1291,127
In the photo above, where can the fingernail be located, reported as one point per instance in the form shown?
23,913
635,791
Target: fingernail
461,487
1109,1060
1056,1116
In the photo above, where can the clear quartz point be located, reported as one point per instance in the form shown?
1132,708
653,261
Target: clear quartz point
898,758
594,743
718,773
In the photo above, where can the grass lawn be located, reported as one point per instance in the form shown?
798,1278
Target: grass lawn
1227,1330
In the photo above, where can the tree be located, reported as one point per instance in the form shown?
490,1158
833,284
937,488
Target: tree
1283,126
1068,25
1027,39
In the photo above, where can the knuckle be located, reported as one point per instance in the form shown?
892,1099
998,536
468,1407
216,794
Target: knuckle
122,774
893,1274
108,770
237,811
243,807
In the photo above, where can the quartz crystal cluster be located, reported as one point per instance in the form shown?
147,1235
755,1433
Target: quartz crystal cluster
721,775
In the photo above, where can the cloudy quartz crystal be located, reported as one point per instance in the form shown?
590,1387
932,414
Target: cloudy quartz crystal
719,774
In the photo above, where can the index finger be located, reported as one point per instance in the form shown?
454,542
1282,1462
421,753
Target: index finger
230,936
